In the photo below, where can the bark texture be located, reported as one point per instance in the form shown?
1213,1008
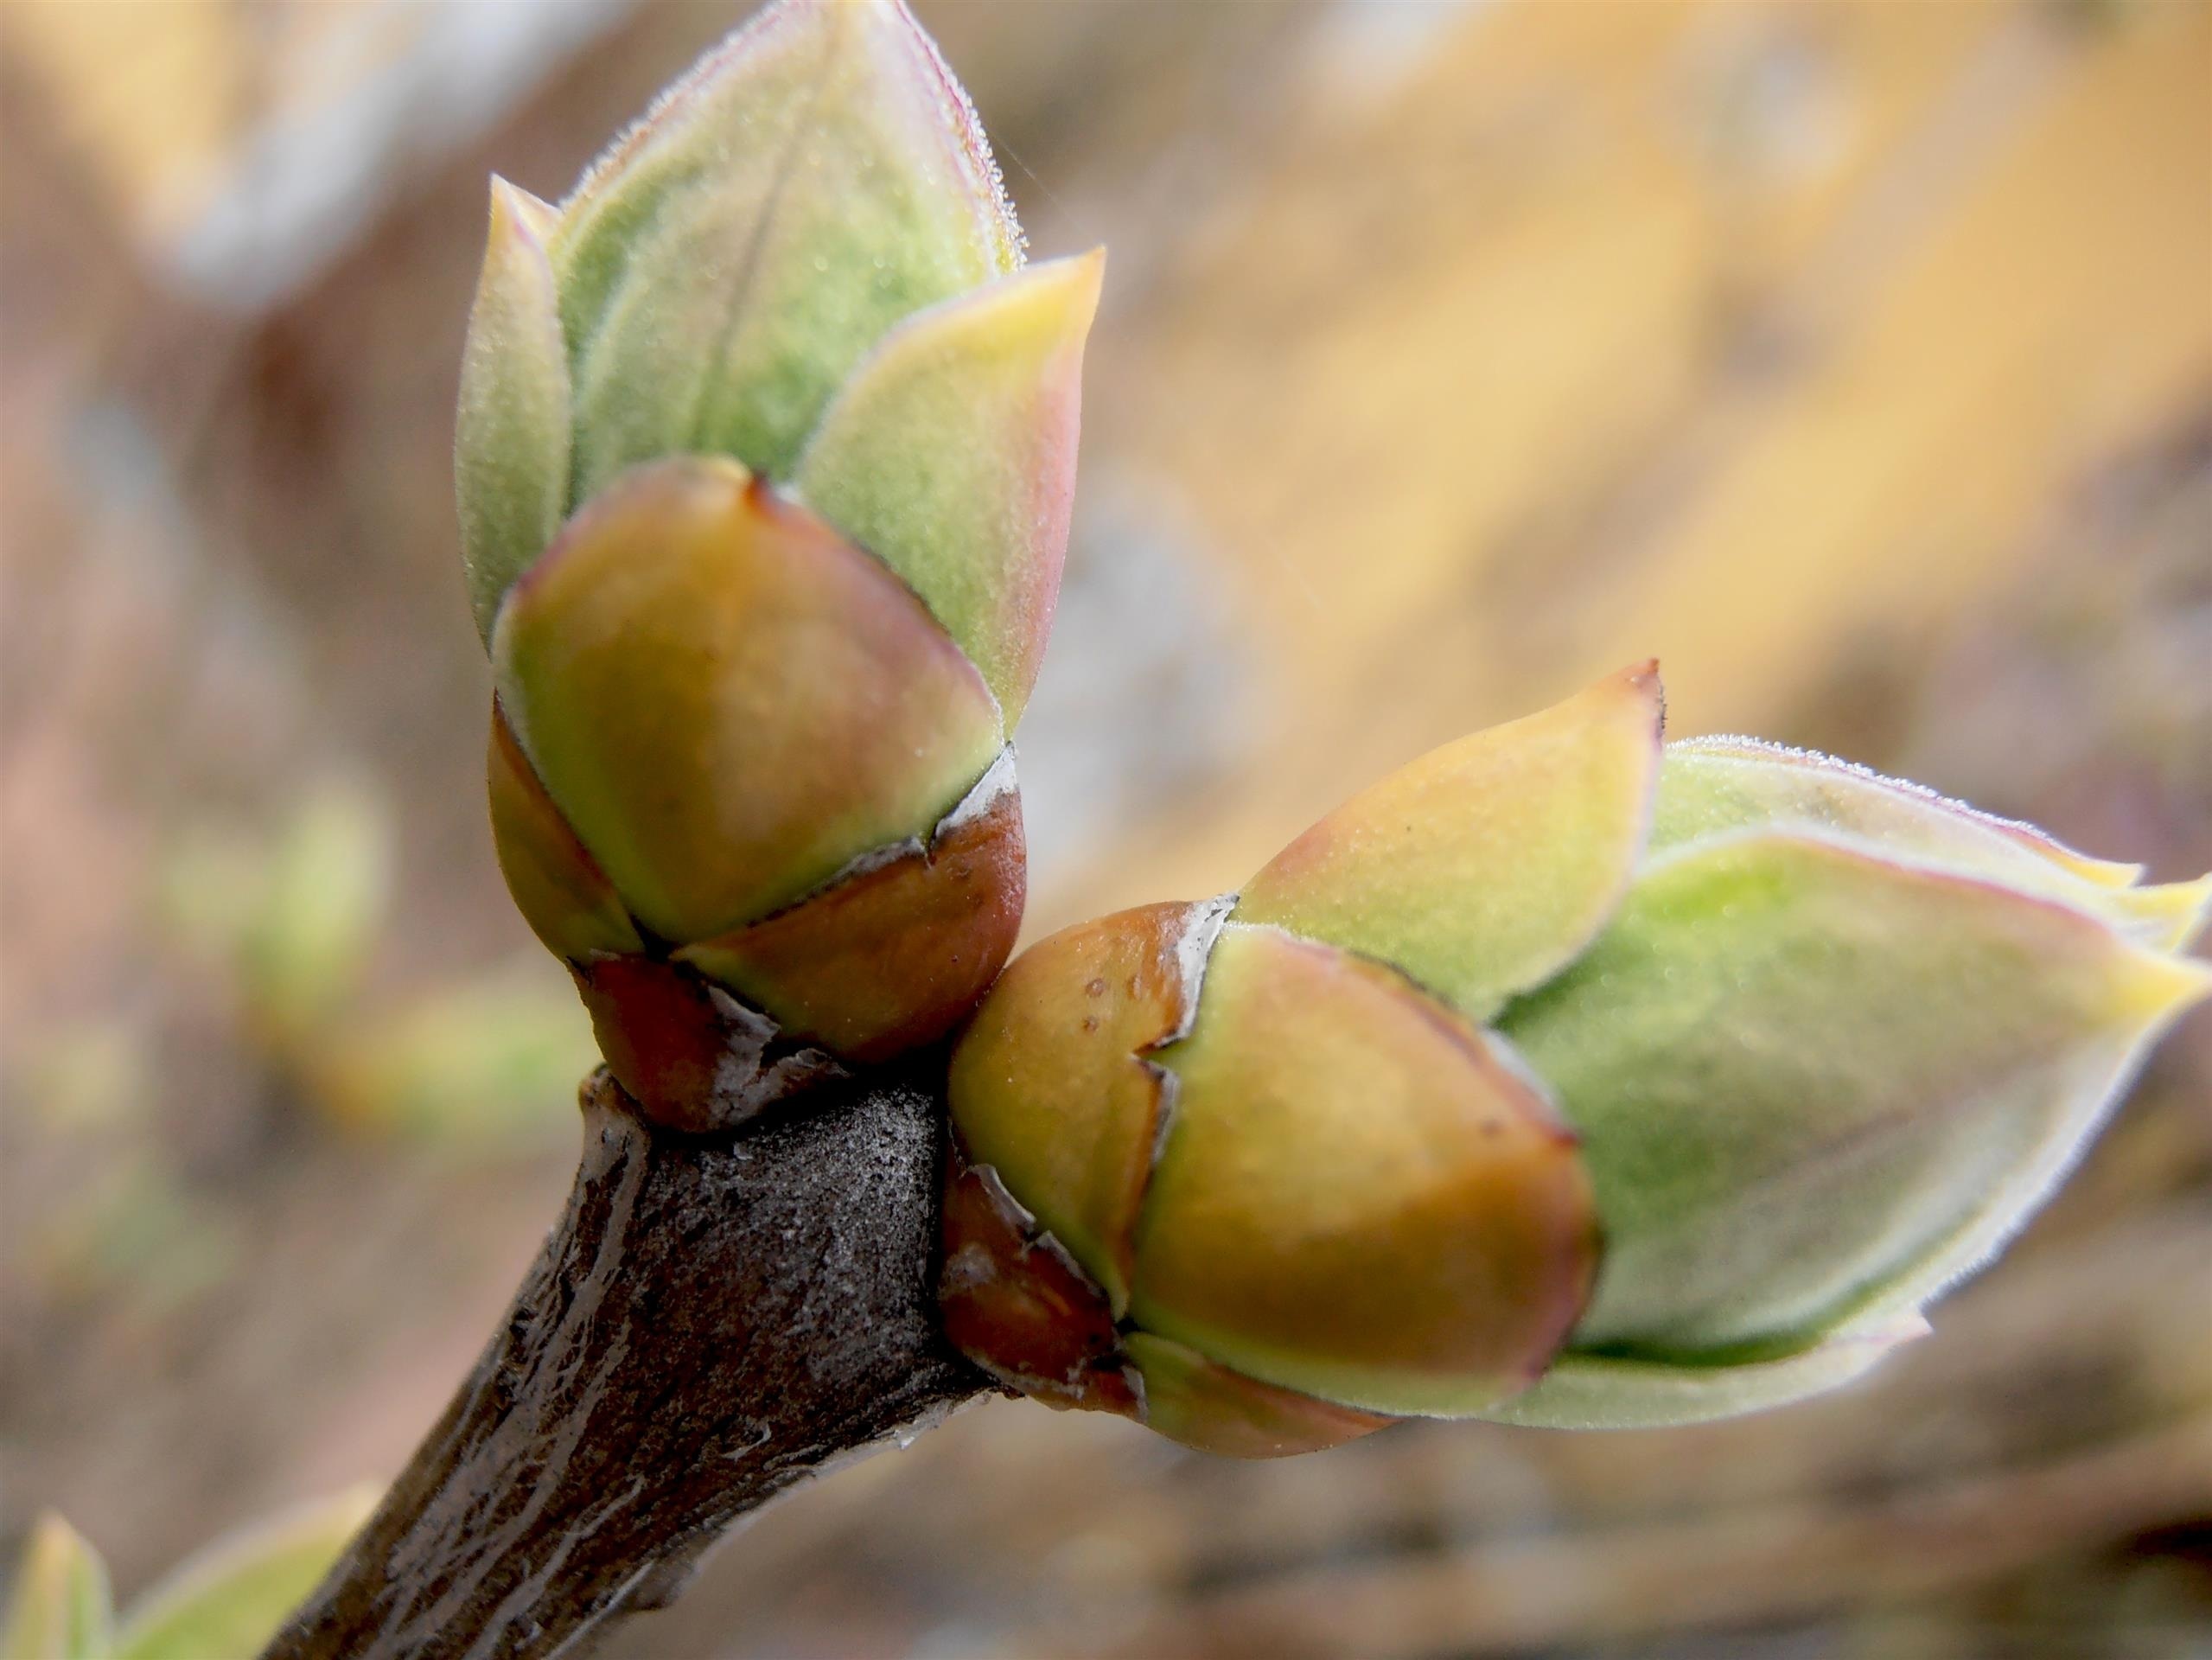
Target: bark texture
713,1320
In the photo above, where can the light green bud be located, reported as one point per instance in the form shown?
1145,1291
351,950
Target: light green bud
1841,1039
765,454
1823,1040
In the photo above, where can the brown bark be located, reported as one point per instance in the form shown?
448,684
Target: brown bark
713,1320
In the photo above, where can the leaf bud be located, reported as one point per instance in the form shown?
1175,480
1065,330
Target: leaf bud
1285,1193
764,453
1801,1045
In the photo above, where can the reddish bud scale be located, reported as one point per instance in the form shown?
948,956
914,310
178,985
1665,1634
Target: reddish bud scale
692,1055
893,955
878,962
1017,1301
1014,1300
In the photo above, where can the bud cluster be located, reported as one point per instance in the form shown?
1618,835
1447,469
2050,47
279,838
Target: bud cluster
1562,1077
765,451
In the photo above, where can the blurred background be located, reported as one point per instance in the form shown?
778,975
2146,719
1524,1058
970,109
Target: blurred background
1855,359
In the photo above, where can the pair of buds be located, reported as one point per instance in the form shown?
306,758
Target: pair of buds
1562,1078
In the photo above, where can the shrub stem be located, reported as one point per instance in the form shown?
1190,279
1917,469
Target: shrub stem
714,1320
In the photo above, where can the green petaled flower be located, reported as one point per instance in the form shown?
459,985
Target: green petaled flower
1824,1040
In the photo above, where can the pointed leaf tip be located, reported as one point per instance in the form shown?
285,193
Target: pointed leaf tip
511,429
1714,787
61,1608
1815,1083
2155,989
541,218
2167,917
951,456
816,178
1483,868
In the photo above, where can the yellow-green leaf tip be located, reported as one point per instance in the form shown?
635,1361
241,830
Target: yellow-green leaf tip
61,1608
1484,867
818,177
810,221
511,432
950,455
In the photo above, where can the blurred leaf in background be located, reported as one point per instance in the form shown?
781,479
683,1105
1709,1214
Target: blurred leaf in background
294,915
61,1608
138,1225
222,1603
293,918
495,1058
230,1597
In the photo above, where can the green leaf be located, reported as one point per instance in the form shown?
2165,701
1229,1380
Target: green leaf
1484,867
816,177
229,1599
951,457
61,1608
1603,1392
471,1063
328,880
1710,787
511,429
1814,1083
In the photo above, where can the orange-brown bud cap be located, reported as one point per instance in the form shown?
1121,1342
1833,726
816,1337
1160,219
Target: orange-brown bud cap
1321,1195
